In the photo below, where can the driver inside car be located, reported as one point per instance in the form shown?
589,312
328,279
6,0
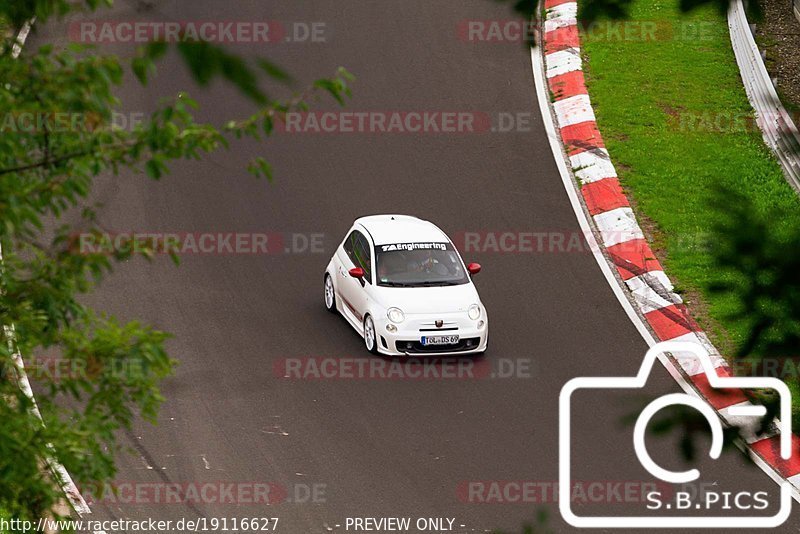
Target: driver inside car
429,264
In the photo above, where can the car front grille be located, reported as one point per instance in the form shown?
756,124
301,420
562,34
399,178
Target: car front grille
415,347
430,326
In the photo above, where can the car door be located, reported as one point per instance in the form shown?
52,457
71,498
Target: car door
355,252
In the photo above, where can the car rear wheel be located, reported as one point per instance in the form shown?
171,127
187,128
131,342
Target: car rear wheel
330,296
370,339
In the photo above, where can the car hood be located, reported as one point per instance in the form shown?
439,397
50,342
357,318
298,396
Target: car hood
413,300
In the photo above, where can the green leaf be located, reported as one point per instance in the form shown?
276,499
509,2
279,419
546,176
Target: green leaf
273,71
140,66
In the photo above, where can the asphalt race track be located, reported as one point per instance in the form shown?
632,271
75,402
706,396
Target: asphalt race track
371,447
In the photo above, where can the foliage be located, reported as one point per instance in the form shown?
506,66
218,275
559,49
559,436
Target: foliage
757,259
47,167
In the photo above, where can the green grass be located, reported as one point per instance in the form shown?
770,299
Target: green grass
656,103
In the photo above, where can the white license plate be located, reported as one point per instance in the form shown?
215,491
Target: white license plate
439,340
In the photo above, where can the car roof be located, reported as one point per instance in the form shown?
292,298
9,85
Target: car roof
387,229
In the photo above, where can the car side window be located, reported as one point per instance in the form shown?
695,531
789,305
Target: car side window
349,246
362,254
356,247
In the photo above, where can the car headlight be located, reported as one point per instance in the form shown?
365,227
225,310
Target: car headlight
474,312
395,315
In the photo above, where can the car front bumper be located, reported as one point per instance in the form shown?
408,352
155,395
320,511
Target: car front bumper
406,340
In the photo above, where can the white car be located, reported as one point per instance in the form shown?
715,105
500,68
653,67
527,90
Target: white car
400,282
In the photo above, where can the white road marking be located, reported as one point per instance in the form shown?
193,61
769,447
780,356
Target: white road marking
649,298
688,362
592,165
618,226
573,110
22,36
556,24
747,410
736,415
568,10
563,62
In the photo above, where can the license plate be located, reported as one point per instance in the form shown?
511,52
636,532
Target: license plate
439,340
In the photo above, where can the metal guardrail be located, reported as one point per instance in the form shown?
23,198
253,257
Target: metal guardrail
780,132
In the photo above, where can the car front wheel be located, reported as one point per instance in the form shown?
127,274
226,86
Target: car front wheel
330,296
370,338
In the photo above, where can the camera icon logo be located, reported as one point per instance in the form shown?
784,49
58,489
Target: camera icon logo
660,351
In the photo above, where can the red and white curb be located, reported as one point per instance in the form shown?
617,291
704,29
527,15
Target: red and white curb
626,251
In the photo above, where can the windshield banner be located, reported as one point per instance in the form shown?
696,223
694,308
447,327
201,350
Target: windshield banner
414,246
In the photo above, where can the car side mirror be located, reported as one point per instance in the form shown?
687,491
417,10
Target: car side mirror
357,272
474,268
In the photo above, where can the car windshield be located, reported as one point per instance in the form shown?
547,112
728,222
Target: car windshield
419,265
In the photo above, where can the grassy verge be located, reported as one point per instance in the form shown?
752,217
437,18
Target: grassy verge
676,121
